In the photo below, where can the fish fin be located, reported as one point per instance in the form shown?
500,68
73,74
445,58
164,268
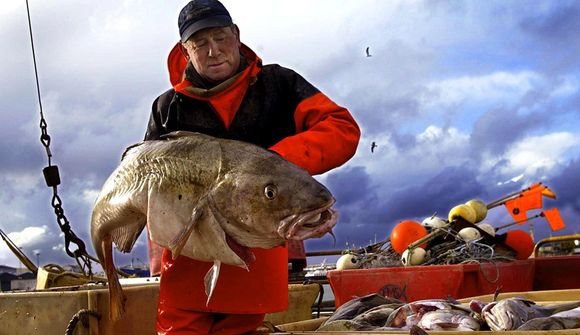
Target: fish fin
210,279
129,148
126,236
116,296
120,214
179,242
172,217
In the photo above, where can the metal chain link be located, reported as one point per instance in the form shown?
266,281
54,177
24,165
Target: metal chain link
44,137
52,178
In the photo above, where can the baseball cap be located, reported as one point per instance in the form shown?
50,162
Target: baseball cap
201,14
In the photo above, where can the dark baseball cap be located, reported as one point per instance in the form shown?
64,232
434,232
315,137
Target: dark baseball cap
201,14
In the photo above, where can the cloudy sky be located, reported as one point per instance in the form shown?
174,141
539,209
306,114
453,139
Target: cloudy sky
465,99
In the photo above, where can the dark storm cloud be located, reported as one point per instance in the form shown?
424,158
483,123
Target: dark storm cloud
453,185
550,36
386,113
364,213
350,186
561,184
403,141
355,193
558,20
357,201
20,153
499,128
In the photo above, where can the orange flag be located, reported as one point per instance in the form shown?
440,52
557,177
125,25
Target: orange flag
532,198
529,199
548,193
554,219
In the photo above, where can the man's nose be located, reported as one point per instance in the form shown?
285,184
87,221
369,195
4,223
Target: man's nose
214,49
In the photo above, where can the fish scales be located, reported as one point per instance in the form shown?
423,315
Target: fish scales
144,168
206,198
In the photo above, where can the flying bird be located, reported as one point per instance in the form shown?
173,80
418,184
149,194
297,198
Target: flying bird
368,52
373,146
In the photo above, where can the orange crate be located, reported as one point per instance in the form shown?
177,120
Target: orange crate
432,281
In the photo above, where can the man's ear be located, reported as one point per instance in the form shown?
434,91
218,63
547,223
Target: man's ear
183,50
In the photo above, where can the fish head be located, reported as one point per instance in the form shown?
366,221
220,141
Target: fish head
449,319
264,200
507,314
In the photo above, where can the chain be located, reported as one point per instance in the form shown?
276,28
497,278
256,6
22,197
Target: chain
51,175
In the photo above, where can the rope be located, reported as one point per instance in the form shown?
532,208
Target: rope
319,302
320,295
83,317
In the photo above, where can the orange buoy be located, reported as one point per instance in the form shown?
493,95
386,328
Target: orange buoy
405,233
521,242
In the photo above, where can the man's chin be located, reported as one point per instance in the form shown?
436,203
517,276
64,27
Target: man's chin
218,75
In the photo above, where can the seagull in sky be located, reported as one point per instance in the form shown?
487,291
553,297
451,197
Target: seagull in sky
373,146
368,52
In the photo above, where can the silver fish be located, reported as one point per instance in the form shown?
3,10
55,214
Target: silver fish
208,199
377,316
411,313
359,305
564,320
511,313
342,325
366,320
454,319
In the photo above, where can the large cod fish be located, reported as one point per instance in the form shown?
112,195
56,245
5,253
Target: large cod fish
208,199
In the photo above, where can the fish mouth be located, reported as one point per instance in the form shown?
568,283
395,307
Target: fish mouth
498,319
314,223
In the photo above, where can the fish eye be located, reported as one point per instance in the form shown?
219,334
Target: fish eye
270,191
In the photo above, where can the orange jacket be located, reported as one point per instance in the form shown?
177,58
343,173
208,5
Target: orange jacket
284,113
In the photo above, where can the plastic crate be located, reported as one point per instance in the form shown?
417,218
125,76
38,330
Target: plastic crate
433,281
557,272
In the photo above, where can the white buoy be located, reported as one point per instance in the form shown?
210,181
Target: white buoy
412,257
486,227
348,261
435,222
469,234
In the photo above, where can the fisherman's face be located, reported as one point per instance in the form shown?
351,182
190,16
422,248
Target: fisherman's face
215,52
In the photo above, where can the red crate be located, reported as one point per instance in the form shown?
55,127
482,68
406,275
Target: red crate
557,273
433,281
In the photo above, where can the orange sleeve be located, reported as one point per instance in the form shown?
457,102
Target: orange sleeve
327,136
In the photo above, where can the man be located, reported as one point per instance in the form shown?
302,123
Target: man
221,88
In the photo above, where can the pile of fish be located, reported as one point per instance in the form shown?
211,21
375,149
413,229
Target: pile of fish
375,312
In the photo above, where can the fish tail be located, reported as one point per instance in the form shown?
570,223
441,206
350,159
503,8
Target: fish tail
116,296
548,310
117,303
